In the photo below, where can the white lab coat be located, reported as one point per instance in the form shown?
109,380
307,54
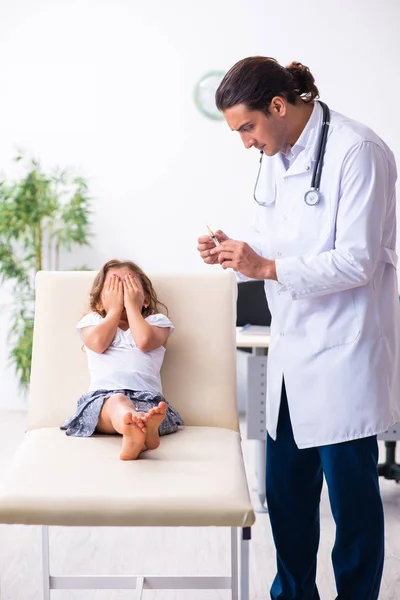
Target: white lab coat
335,335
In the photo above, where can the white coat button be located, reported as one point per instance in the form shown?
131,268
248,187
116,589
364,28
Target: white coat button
307,167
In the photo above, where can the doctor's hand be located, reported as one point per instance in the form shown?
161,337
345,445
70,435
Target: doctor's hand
239,256
206,243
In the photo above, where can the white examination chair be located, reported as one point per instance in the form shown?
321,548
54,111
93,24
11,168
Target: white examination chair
197,475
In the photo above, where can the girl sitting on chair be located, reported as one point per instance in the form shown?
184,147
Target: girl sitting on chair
124,336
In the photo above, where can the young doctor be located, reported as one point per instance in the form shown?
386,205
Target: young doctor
326,228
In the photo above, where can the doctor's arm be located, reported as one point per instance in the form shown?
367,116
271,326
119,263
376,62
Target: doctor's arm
360,223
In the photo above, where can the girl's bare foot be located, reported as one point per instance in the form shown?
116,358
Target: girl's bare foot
152,421
134,434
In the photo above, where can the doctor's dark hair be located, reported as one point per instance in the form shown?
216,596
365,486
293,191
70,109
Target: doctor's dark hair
95,303
254,81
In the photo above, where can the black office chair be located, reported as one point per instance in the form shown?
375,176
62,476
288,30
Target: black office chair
252,307
390,469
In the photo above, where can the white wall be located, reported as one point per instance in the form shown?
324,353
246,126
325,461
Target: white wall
106,85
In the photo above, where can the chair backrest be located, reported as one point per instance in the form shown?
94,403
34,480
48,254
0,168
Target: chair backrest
199,371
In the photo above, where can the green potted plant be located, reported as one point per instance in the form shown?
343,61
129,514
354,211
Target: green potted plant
41,214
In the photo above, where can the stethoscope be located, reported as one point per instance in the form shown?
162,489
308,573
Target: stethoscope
313,196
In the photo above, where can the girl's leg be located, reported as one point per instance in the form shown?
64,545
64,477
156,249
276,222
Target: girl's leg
119,416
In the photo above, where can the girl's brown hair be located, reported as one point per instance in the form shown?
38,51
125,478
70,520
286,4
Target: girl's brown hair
95,303
254,81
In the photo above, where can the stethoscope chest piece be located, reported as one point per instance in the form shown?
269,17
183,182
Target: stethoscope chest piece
312,197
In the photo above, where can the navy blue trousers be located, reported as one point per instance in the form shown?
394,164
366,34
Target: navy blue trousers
294,482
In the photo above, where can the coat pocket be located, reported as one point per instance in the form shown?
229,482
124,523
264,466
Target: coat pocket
331,320
316,222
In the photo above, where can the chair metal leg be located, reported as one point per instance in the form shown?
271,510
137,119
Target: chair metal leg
234,564
390,469
46,562
167,583
244,564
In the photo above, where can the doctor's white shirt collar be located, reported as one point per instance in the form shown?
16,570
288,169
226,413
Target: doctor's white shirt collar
308,136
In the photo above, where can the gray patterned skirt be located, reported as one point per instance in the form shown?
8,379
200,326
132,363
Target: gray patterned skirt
84,422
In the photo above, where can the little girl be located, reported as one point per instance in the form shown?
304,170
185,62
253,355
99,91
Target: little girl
124,336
